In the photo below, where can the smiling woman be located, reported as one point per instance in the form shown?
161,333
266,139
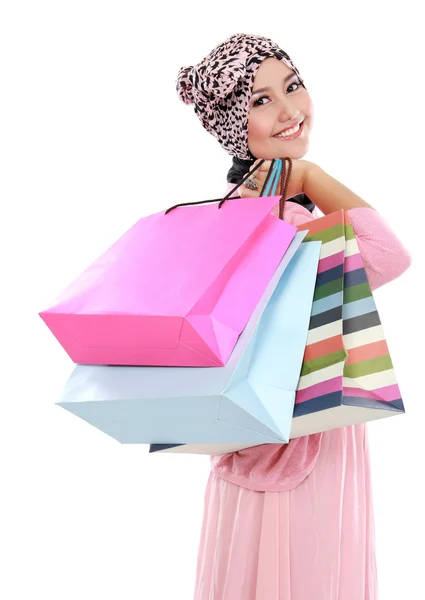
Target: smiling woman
279,113
294,521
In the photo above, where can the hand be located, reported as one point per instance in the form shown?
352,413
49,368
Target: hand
300,168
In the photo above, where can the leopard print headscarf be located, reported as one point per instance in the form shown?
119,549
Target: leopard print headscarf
220,88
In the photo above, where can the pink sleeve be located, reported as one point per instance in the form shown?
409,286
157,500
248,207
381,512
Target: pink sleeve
384,256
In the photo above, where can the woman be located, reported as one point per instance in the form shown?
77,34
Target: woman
294,521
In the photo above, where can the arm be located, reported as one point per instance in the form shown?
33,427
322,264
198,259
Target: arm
307,178
327,193
384,256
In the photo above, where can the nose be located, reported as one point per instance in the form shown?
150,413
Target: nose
287,111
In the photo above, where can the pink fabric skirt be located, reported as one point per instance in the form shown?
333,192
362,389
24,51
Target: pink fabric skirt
315,542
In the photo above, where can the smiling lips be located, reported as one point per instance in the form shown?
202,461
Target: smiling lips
291,133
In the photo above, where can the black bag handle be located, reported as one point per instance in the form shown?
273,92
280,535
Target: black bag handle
283,190
226,197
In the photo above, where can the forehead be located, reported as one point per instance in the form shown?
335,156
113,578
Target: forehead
270,73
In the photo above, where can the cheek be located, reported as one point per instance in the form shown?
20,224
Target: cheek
259,127
308,108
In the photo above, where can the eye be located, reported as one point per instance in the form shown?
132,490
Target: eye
298,84
261,101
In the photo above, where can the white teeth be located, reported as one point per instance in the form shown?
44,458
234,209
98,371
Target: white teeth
289,131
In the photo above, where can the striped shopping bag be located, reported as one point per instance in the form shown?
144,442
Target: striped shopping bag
347,375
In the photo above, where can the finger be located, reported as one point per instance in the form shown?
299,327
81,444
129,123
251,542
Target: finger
253,182
245,192
264,168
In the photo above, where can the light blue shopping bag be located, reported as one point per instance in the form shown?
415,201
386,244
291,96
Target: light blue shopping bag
213,410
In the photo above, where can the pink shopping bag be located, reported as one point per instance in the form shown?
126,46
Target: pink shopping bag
176,290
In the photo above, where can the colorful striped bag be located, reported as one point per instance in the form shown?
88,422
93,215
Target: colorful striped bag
347,375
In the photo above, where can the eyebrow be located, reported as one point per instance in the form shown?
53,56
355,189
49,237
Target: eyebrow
265,89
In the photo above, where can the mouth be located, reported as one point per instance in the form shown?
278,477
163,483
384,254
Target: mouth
290,134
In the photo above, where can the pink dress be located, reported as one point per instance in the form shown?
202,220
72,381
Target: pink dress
295,521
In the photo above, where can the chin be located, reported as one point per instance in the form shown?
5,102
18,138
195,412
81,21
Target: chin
300,154
294,151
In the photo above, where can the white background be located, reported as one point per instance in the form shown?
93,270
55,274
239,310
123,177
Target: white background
93,137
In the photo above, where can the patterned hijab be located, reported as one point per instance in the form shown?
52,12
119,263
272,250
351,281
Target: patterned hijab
220,88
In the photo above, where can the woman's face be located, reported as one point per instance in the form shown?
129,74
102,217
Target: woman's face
279,102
